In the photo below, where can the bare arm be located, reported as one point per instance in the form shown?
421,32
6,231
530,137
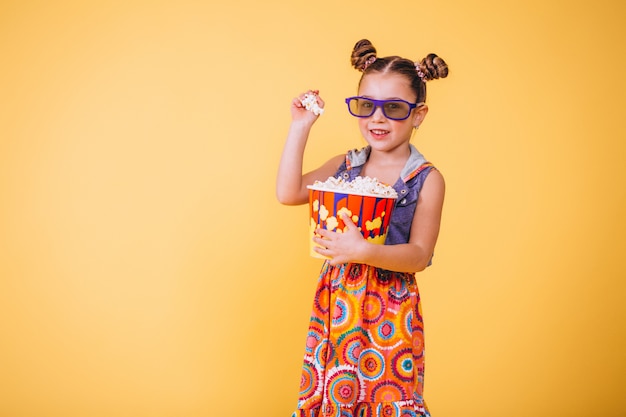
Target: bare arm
409,257
290,181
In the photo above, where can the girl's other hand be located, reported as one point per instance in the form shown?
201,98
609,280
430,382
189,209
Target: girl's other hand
341,247
299,113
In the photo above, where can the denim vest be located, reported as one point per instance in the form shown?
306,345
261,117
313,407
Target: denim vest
408,188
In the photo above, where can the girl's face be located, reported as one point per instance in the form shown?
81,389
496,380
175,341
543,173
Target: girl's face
381,133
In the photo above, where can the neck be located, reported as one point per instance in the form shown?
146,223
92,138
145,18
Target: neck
391,157
386,166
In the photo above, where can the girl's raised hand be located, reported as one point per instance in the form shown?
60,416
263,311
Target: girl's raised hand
299,111
341,248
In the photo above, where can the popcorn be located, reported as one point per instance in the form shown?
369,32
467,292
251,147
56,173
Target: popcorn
310,103
360,185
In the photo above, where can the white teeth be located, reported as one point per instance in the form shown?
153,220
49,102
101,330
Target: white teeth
379,132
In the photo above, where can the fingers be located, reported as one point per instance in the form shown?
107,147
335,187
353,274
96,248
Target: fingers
298,100
322,251
323,238
348,221
322,234
313,92
316,93
297,103
309,92
321,245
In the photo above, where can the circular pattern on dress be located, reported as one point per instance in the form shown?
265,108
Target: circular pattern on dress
309,381
388,410
385,337
340,312
373,307
355,273
371,364
387,391
346,413
312,340
364,410
418,345
407,327
342,386
408,413
418,310
328,409
351,348
386,330
354,282
399,294
322,298
322,354
343,314
402,365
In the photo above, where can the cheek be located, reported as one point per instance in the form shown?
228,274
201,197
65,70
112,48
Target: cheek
363,125
405,129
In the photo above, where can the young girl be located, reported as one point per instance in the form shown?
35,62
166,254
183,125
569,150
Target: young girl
364,352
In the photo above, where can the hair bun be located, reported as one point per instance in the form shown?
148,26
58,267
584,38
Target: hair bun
363,54
433,67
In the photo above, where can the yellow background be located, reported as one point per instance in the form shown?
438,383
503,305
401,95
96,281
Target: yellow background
146,268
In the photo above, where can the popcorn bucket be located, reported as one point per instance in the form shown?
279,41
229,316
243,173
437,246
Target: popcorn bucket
371,214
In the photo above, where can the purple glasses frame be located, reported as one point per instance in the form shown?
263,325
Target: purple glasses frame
381,104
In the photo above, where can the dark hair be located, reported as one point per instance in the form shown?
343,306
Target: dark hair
429,68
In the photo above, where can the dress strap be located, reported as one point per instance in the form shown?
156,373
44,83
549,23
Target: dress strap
416,171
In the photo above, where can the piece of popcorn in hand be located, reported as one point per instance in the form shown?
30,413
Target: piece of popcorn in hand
310,103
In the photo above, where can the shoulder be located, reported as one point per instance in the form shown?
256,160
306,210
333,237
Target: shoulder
434,184
435,176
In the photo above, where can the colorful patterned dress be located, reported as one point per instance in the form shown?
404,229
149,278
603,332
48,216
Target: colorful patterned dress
364,352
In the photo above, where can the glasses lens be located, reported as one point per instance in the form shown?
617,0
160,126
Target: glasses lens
361,107
396,109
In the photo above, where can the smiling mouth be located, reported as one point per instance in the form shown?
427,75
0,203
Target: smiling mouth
379,132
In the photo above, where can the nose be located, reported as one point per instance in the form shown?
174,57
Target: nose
378,113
